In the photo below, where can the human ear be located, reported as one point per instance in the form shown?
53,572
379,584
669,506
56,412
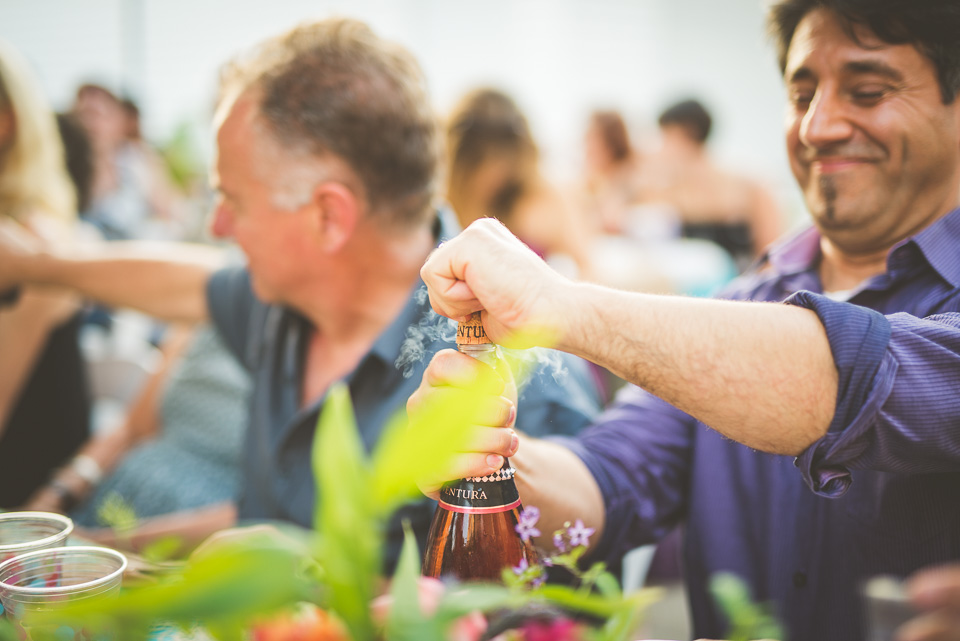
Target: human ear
335,212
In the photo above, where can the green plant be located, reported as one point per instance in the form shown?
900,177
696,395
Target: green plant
748,620
231,587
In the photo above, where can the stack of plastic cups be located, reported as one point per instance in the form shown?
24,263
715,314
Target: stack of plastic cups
39,574
28,531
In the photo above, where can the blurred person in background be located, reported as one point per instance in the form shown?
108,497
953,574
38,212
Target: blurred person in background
493,170
710,201
131,195
327,152
610,166
44,398
175,455
79,157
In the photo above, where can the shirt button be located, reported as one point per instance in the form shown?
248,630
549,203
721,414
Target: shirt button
799,579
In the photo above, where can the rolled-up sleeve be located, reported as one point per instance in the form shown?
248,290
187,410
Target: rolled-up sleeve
898,395
639,452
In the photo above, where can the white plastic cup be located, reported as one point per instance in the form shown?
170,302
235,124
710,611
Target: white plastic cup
888,607
22,532
44,580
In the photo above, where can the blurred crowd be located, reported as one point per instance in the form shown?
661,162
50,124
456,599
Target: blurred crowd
92,175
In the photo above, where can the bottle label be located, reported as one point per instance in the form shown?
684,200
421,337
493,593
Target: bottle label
471,332
482,495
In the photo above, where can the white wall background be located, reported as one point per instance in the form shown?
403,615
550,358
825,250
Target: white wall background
559,58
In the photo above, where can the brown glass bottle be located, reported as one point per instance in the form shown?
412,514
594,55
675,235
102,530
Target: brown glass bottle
473,534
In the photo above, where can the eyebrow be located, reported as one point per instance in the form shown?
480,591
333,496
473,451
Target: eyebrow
856,67
873,67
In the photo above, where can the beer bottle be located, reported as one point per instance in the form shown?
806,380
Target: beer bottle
473,534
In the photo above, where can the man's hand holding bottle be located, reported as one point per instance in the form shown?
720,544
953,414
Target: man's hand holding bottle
486,268
452,374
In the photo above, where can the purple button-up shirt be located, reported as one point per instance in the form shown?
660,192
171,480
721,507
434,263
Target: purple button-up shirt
879,494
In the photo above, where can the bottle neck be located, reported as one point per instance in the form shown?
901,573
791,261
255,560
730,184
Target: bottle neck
476,350
485,352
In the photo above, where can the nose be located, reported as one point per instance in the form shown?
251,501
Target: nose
221,220
825,121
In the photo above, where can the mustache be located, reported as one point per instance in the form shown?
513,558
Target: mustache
856,151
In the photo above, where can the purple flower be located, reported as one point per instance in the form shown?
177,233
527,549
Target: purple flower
535,578
526,528
558,542
523,567
580,535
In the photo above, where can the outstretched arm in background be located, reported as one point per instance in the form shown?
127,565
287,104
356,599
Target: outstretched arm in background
165,280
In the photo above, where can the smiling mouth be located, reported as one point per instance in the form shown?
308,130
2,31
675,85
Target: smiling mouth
832,165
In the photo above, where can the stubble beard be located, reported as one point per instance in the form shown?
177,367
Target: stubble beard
828,189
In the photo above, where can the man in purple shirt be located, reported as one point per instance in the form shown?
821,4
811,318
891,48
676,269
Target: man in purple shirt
833,447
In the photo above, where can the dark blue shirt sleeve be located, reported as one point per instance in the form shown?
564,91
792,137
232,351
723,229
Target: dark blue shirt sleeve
230,299
639,451
897,398
560,397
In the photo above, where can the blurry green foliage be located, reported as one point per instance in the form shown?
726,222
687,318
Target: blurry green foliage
748,620
227,587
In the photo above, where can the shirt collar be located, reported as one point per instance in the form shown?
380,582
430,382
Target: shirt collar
938,242
940,245
798,253
389,344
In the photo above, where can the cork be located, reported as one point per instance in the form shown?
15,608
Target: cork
471,332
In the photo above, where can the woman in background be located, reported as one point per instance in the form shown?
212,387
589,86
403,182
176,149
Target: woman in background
44,401
493,172
610,171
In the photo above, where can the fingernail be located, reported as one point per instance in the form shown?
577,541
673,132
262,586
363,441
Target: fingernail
495,461
512,417
514,442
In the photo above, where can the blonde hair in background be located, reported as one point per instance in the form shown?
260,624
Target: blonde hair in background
33,173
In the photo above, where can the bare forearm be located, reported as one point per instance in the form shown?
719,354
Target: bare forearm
165,280
760,373
190,527
553,479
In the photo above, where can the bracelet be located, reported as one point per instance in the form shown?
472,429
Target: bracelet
87,468
68,500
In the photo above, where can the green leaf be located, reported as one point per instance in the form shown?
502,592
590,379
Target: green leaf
422,448
406,621
224,590
484,597
747,619
623,623
608,585
116,513
162,549
348,525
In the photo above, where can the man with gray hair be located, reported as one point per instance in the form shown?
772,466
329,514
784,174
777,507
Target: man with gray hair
326,155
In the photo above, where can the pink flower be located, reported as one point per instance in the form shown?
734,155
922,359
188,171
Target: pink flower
469,627
558,630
